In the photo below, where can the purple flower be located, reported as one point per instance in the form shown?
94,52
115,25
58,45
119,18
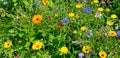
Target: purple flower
87,10
118,33
65,20
36,2
89,33
98,15
80,55
86,55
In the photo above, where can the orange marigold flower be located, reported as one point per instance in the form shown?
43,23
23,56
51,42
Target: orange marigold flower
7,44
36,18
44,1
112,33
102,54
59,24
37,45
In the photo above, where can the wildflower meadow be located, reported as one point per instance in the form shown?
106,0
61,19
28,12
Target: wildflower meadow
60,28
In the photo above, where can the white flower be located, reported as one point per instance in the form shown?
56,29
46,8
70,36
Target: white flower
98,15
89,33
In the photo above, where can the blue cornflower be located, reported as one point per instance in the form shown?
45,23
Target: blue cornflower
89,33
87,10
118,33
36,2
65,20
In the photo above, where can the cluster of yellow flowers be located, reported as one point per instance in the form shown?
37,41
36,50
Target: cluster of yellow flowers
88,49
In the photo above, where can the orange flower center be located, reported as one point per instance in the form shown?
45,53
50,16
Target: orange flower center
112,33
102,55
86,49
37,46
8,44
37,19
45,1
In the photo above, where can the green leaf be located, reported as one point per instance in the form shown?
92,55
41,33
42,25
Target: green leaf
25,2
14,0
11,31
31,39
2,15
33,57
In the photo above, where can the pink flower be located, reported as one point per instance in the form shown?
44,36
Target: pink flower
17,57
80,55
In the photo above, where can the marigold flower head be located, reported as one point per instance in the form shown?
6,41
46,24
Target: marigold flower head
86,49
74,32
64,50
112,33
36,18
71,14
113,16
102,54
109,23
77,16
37,45
100,9
44,1
59,24
95,1
78,6
7,44
83,28
107,10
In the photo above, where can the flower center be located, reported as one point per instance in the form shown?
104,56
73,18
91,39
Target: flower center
112,33
37,19
86,49
8,44
37,46
45,1
102,55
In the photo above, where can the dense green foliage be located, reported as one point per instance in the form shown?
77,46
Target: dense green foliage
16,25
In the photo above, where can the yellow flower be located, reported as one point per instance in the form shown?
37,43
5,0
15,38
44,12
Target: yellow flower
37,45
78,6
74,31
107,9
86,49
113,16
100,9
77,16
113,57
64,50
95,1
71,14
109,23
44,1
55,14
7,44
112,33
36,18
102,54
83,28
